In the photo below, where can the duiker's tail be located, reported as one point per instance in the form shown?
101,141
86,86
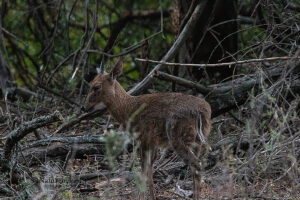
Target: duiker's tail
203,126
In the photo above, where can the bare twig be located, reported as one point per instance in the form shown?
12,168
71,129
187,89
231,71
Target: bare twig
54,34
137,46
13,36
133,15
63,97
60,65
271,59
83,55
89,43
68,23
188,14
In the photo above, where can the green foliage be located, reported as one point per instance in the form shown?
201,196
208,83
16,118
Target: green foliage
68,195
70,118
92,198
140,180
253,34
97,119
48,38
115,142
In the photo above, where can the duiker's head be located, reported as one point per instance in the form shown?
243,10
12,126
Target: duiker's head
103,86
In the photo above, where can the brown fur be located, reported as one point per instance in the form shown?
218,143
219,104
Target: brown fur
166,120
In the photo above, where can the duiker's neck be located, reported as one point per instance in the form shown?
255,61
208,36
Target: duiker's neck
120,104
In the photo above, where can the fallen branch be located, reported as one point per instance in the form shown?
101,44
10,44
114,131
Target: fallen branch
98,112
5,191
35,156
271,59
90,176
82,139
181,81
24,93
226,96
16,135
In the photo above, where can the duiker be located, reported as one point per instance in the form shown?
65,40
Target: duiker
169,120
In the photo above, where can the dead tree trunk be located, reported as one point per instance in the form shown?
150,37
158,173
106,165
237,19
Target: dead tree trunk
213,39
5,76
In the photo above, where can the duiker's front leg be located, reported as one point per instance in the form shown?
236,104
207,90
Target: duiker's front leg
147,167
196,183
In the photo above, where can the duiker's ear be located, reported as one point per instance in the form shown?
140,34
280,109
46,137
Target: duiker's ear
100,70
117,69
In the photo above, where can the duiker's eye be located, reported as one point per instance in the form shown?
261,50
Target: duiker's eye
96,88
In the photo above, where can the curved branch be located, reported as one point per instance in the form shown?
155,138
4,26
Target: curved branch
16,135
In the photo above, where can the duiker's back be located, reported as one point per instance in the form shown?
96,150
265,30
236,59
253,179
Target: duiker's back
158,111
165,105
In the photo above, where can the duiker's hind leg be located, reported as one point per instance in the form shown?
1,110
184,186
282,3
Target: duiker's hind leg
196,173
192,160
183,136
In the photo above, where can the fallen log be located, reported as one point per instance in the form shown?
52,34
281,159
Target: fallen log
228,95
81,139
35,156
16,135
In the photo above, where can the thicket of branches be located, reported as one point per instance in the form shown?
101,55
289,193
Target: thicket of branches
243,57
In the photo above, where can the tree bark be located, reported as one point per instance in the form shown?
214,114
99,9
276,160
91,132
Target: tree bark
5,76
213,38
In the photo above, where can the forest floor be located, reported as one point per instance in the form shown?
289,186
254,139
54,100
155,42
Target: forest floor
94,177
94,160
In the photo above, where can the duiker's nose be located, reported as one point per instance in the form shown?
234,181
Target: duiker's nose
86,107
